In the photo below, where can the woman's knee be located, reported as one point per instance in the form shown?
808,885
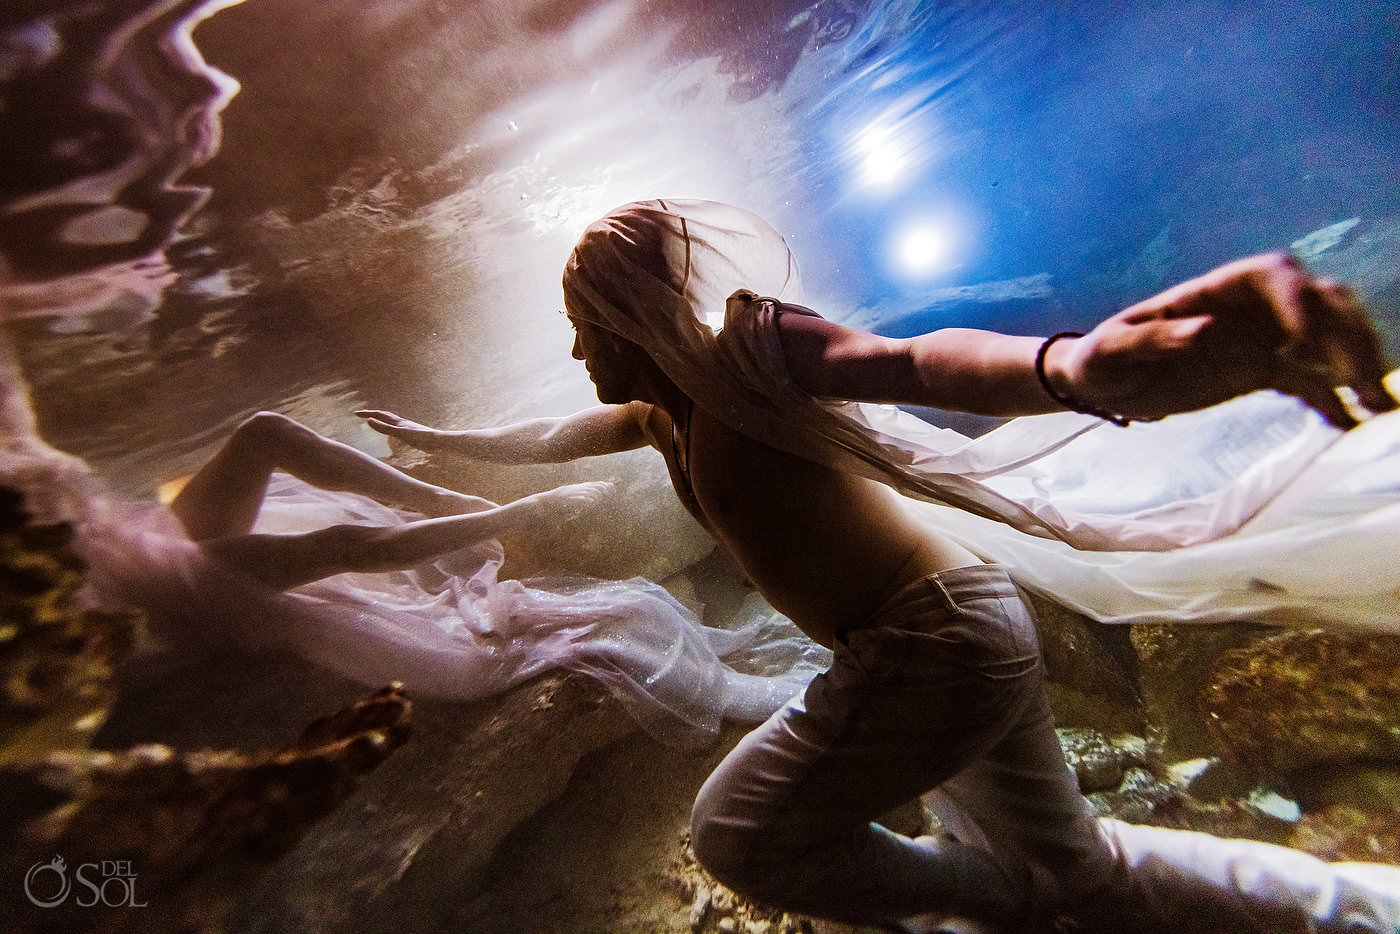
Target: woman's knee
720,841
264,432
735,848
266,424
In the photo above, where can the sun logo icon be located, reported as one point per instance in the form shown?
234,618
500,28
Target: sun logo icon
44,897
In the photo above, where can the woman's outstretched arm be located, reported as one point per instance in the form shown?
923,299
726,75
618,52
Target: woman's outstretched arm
603,429
1257,323
284,561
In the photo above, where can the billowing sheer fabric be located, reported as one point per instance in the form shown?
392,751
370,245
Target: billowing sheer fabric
1251,509
452,628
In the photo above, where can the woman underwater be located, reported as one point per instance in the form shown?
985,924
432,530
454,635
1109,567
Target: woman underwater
936,684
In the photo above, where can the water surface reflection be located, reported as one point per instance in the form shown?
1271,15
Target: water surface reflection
399,184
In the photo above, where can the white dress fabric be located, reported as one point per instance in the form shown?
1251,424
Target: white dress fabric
451,628
1252,509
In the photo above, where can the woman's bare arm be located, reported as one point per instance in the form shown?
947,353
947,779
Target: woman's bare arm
1257,323
603,429
961,369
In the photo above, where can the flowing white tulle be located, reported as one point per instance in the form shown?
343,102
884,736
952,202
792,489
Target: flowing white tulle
452,628
1252,509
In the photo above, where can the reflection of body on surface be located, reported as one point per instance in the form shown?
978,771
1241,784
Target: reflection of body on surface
288,537
936,682
220,503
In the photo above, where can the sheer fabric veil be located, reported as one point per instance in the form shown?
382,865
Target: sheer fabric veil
450,628
1251,509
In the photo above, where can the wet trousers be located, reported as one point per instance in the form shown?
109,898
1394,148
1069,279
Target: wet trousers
944,697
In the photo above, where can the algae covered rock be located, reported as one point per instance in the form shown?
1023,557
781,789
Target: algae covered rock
1100,761
1368,787
56,658
1173,663
1091,670
190,826
170,832
1296,700
1340,833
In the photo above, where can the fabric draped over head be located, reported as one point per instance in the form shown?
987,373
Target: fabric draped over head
659,273
1076,505
663,274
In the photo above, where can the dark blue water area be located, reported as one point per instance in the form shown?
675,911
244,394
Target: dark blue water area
1116,149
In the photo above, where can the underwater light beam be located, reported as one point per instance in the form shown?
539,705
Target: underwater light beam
923,249
882,161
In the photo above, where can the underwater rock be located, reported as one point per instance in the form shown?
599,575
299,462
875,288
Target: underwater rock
727,912
1091,670
1137,798
1100,761
627,807
411,849
1365,787
1144,798
191,826
1296,700
1209,779
1266,800
1340,833
1173,662
1351,812
56,658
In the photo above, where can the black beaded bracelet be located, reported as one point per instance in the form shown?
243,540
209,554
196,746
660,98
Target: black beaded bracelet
1070,402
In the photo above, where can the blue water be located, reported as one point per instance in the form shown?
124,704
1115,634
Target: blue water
393,189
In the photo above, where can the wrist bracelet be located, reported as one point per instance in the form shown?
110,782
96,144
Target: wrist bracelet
1073,403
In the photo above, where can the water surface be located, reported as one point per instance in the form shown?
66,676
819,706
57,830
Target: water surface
394,186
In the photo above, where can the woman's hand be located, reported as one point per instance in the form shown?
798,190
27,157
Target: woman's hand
433,440
1256,323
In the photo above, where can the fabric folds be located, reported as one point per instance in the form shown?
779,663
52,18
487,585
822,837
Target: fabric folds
452,628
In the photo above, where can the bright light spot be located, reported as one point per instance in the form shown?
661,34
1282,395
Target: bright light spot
881,159
923,249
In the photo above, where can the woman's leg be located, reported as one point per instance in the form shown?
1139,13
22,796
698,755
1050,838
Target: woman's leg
283,561
787,817
223,498
1195,883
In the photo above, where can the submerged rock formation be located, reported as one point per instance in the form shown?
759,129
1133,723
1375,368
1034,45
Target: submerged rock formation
1297,700
56,658
190,827
1289,736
